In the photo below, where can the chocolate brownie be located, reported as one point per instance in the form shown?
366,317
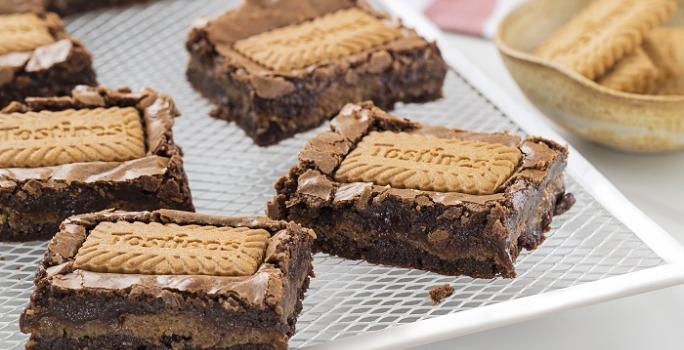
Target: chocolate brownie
277,68
392,191
94,149
169,280
37,58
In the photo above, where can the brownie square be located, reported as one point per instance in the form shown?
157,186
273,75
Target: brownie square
37,58
94,149
169,280
392,191
277,68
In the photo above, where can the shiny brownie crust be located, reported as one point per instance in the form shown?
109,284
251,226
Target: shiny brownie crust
33,201
271,106
449,233
62,66
77,309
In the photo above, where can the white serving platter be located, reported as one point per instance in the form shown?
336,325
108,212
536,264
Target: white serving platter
603,248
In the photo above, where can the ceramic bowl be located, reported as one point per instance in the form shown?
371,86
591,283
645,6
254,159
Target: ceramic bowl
625,121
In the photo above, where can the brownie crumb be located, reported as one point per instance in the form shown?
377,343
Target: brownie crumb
440,292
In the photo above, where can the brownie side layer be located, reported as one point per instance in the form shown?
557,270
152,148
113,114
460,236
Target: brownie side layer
51,70
70,7
77,307
33,201
33,209
314,100
157,331
114,342
272,106
450,233
395,244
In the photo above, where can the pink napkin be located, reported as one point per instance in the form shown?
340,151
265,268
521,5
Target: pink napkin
473,17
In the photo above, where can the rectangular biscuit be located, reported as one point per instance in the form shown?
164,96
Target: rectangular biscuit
604,32
171,249
428,163
666,46
635,73
672,86
48,138
23,32
332,36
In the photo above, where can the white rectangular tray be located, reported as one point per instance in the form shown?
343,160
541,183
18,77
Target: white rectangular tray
601,249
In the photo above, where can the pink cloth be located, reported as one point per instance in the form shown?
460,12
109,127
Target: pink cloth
464,16
473,17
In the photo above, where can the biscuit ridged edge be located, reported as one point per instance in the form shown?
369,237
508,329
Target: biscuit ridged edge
593,58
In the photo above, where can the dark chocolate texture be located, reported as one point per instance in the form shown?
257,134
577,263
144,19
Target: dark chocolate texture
452,233
61,7
271,104
74,308
70,7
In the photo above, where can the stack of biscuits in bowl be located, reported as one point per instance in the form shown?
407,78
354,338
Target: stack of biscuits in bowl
622,45
610,71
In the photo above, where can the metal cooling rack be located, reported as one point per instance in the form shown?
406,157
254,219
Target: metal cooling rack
144,46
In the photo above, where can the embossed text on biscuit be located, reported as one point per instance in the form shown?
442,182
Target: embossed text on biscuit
23,32
48,138
429,163
170,249
335,35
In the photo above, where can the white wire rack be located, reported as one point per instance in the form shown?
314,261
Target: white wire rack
602,248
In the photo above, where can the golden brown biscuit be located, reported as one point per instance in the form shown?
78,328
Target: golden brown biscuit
23,32
171,249
429,163
603,33
635,73
332,36
666,47
49,138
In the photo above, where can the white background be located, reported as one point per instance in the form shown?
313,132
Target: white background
655,184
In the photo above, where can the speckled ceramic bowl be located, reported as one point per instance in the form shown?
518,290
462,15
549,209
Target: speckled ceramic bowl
630,122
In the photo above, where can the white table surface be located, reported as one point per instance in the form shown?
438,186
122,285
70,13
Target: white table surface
655,184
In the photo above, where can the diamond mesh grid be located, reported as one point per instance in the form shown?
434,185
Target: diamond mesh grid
144,46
